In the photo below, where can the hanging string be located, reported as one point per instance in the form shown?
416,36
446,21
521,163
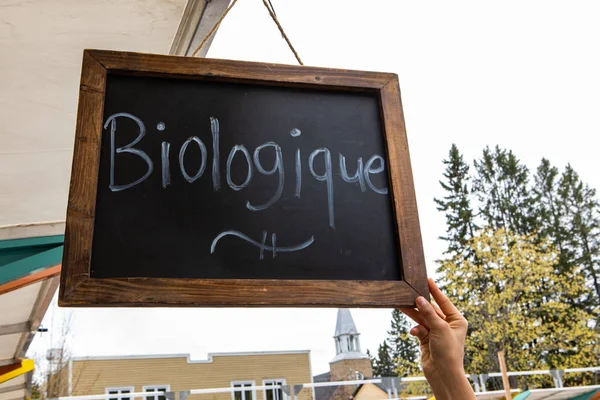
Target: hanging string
272,8
214,28
271,13
282,32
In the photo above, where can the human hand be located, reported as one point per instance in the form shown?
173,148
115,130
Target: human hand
441,332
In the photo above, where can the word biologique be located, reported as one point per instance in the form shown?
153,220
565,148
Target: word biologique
256,163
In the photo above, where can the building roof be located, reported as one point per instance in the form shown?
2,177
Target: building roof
209,358
349,355
325,377
324,392
378,385
345,323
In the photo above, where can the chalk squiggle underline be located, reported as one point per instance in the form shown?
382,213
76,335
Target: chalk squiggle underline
273,248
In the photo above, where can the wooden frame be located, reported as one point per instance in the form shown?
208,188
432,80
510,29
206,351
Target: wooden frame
78,289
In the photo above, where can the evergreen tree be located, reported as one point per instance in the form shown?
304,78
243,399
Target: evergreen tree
372,359
456,203
529,283
384,364
550,211
460,217
404,348
583,221
501,186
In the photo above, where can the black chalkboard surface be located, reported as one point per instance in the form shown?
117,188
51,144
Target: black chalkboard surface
241,181
243,175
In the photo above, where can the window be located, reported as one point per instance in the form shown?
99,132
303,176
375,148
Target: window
245,390
275,393
119,390
157,388
352,343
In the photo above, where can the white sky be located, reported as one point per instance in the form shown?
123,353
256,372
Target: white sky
521,74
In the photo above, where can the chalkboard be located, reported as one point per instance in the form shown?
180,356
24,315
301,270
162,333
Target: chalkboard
282,185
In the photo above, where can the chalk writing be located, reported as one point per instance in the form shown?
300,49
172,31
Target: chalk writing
232,153
369,170
256,160
277,166
182,151
295,133
358,175
216,172
112,120
166,166
326,176
298,174
262,244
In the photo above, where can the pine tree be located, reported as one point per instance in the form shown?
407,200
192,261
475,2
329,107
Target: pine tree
404,348
529,282
456,203
583,222
372,359
384,364
550,211
501,186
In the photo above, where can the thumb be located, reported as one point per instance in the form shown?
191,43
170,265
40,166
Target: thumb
421,333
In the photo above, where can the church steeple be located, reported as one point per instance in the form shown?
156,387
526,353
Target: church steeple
347,342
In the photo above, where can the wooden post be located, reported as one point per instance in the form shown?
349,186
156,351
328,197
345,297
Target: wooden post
504,372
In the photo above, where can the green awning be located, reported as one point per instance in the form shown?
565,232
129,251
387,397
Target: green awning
22,257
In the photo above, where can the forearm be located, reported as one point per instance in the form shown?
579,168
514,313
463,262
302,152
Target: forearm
438,388
453,386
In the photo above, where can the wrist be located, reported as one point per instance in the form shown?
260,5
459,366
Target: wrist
450,383
453,373
459,388
448,374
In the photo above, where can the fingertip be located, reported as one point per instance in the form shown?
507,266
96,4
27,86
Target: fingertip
430,316
414,331
432,284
